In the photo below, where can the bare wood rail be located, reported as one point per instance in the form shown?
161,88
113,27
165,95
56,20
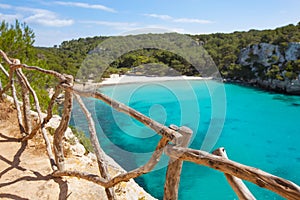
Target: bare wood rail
237,184
234,171
263,179
175,165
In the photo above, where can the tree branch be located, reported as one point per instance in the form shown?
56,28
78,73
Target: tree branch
237,184
263,179
96,145
157,127
38,108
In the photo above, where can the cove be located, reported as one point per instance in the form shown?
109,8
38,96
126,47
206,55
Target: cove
260,129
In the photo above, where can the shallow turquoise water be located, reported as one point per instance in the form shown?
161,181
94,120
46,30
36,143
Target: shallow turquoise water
260,129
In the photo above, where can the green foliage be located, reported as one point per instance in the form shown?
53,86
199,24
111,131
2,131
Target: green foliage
72,55
72,141
290,75
220,45
51,130
17,41
68,57
273,72
83,139
236,71
223,48
279,77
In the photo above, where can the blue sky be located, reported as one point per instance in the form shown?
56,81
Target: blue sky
56,21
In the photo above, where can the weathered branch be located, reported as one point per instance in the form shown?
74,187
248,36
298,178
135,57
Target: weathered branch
143,169
157,127
3,90
26,101
4,71
122,177
175,165
16,101
61,77
47,118
61,129
4,56
38,109
237,184
96,145
83,175
57,91
263,179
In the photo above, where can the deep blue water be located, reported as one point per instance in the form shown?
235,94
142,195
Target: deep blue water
257,128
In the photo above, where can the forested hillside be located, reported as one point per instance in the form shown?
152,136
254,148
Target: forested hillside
224,48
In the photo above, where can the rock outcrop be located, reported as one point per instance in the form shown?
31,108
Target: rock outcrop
272,66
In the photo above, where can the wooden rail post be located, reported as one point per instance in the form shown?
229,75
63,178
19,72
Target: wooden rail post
237,184
100,155
15,98
175,165
1,95
61,129
26,100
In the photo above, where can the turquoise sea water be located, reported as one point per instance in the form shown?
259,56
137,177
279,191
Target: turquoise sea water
260,129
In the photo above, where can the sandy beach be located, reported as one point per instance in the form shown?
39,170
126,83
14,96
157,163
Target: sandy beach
126,79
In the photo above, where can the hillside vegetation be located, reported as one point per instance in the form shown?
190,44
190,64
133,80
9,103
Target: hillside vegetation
224,48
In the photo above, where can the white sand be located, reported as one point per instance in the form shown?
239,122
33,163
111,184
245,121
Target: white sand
124,79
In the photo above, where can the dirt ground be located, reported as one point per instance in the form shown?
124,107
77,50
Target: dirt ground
25,171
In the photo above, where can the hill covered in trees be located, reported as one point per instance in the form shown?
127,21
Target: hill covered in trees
224,49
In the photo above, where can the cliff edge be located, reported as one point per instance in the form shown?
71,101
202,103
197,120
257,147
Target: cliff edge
25,171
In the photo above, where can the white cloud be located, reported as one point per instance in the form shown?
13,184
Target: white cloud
178,20
163,17
9,18
115,25
85,5
48,21
191,20
5,6
43,17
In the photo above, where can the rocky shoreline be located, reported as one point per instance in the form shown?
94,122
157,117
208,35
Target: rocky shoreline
283,87
270,67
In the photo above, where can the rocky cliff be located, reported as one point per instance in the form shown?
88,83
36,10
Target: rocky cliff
270,66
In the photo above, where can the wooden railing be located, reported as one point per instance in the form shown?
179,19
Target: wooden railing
174,141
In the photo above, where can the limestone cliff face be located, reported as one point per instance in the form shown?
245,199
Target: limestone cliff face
273,67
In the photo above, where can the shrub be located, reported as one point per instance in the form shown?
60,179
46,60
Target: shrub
83,139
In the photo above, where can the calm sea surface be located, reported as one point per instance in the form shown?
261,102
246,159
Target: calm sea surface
256,128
